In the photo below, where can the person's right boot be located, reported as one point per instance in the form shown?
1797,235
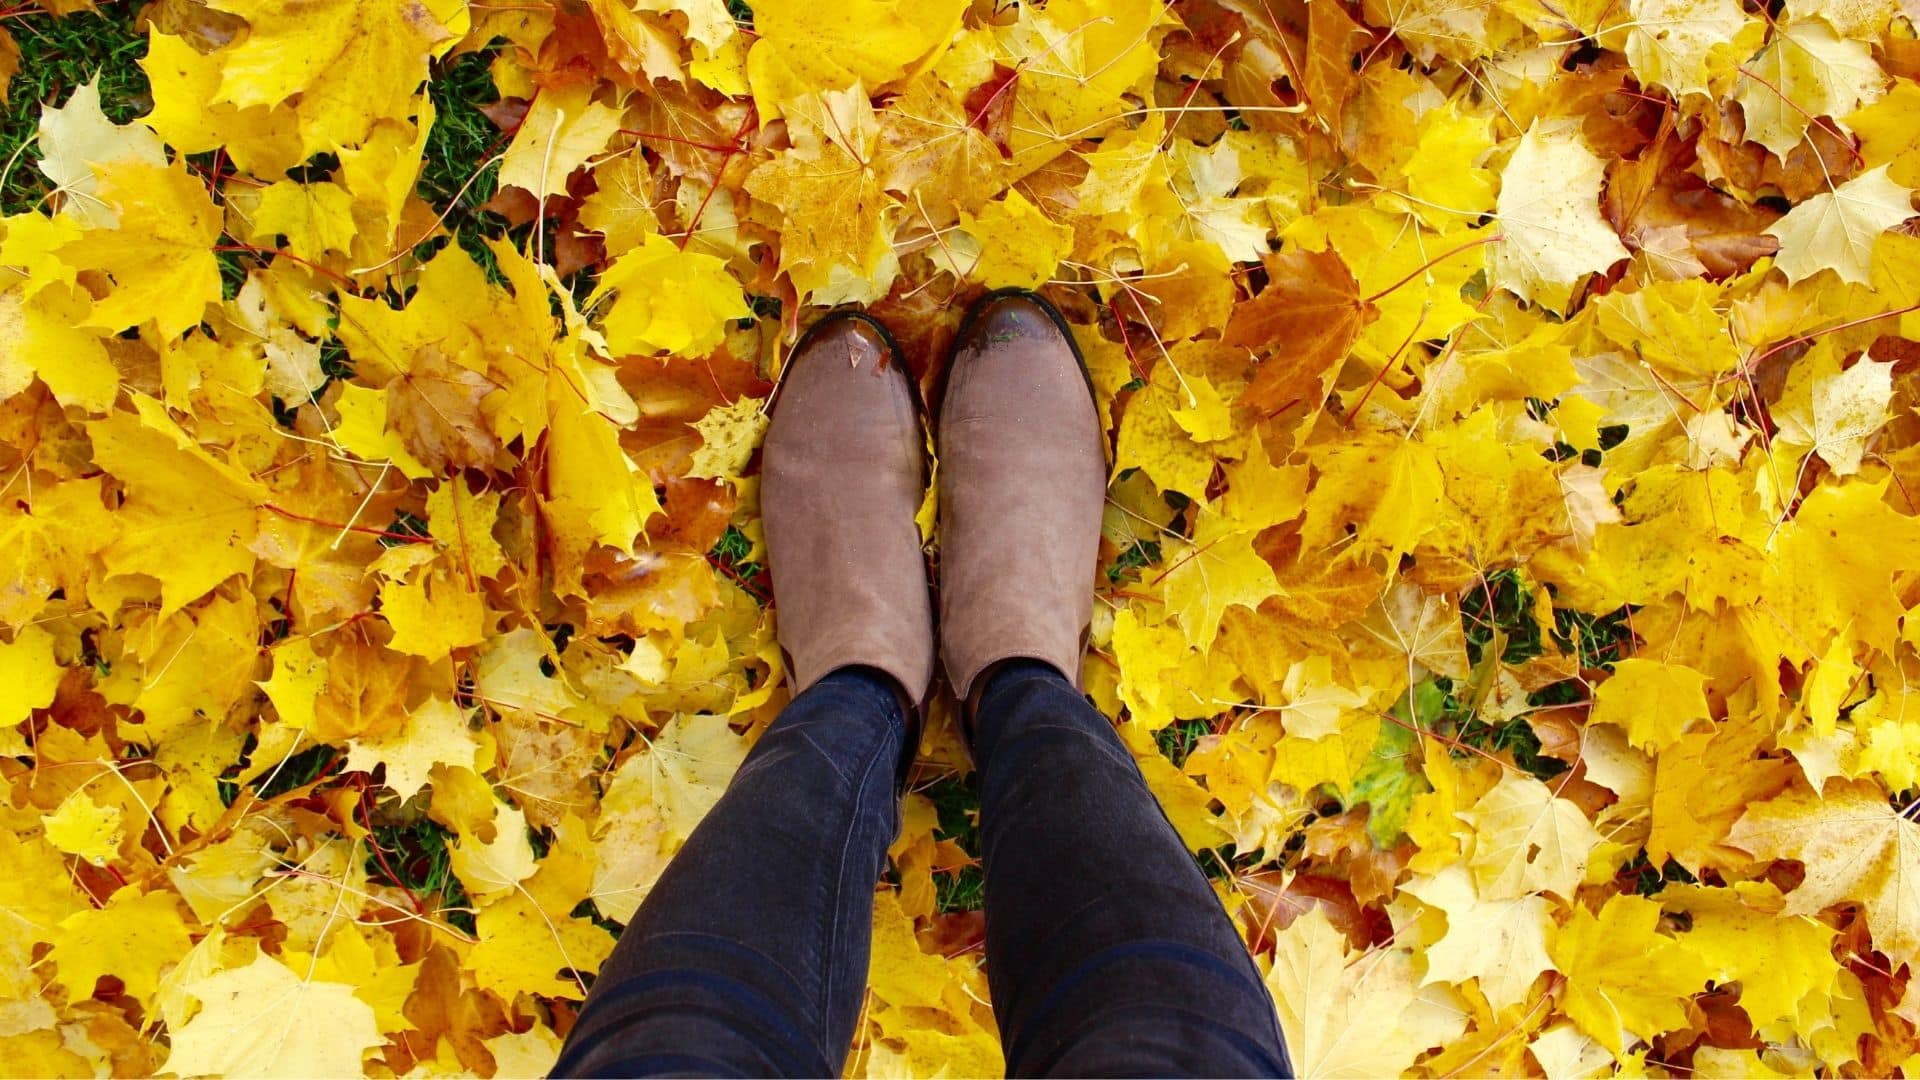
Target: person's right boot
843,472
1022,484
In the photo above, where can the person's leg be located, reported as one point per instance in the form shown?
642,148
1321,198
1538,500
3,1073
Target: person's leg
749,957
1107,952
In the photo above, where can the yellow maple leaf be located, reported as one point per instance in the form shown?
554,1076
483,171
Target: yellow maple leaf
523,949
1699,792
1443,173
133,937
494,866
1743,935
1891,746
30,242
1837,230
835,244
803,48
1624,977
1079,59
1016,244
1187,805
1218,570
1856,848
436,733
1549,211
463,520
1152,440
1386,488
621,207
77,139
1809,70
1673,43
1347,1013
563,128
1501,943
1654,703
39,336
669,300
528,1053
264,1019
1527,840
349,63
159,253
729,434
184,81
682,772
1888,135
363,430
80,826
1852,18
1675,325
29,672
315,218
188,517
908,983
1829,582
433,614
1835,412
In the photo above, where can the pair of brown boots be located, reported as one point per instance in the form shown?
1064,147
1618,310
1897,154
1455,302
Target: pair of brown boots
1022,482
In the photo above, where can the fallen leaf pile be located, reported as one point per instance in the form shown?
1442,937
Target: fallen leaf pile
1511,573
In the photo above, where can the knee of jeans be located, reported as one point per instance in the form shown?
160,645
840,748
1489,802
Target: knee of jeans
1085,745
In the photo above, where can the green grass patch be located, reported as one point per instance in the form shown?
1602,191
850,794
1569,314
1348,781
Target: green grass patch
1178,739
1598,640
1500,607
302,768
58,54
729,556
1128,564
1649,879
957,802
964,889
458,174
1446,708
413,855
405,524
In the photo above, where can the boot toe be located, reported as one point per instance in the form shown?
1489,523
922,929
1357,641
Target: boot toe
1014,317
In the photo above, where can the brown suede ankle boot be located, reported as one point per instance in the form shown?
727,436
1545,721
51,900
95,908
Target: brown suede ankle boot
1022,483
843,472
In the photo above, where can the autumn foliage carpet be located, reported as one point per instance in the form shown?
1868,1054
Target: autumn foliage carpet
1511,575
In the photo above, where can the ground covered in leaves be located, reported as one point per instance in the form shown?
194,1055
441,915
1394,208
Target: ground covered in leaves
1510,569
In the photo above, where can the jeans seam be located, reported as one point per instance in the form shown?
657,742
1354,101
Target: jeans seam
838,888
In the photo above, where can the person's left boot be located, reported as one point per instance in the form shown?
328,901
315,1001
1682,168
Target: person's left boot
843,472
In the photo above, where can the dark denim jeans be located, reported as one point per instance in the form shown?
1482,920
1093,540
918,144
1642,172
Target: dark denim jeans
1107,952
